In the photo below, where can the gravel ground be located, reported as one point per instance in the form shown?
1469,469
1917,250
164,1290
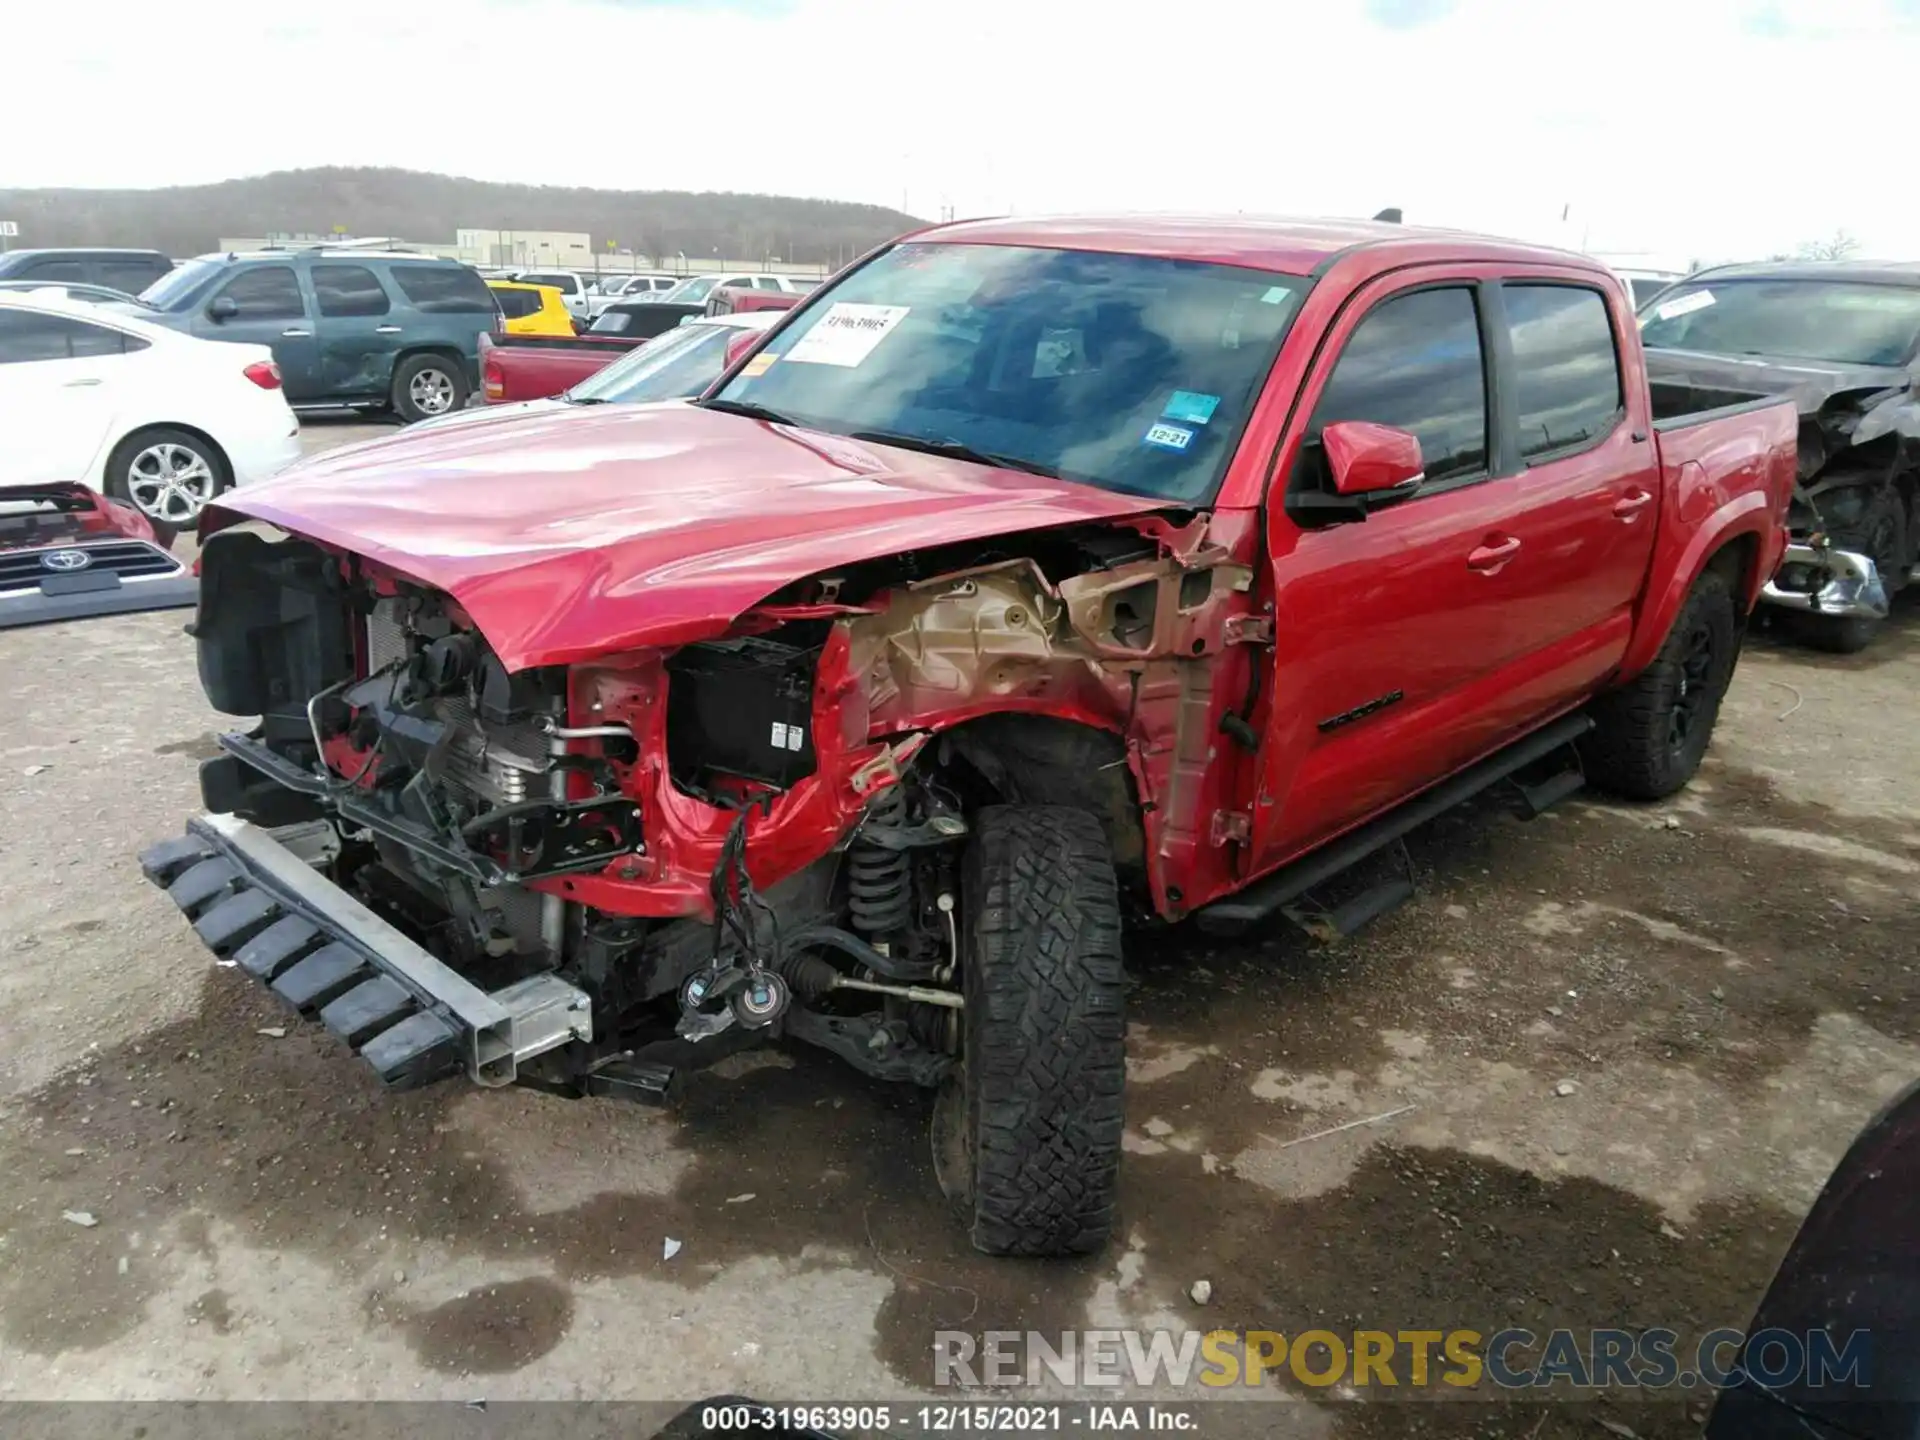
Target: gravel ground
1626,1044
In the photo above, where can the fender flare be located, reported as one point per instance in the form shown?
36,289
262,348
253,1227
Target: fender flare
1671,577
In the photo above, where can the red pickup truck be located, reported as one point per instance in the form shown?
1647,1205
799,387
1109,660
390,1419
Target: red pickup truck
1037,573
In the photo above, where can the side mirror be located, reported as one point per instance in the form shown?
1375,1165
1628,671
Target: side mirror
739,345
1373,460
223,309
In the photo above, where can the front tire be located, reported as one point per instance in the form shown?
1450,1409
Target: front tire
428,385
1878,531
1650,736
169,476
1027,1134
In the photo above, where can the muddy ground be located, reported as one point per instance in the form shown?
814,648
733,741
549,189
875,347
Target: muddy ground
1726,983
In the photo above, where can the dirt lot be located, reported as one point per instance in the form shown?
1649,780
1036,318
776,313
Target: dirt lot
1728,982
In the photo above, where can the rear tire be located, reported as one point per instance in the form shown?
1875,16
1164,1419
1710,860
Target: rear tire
428,385
1027,1134
1650,736
169,475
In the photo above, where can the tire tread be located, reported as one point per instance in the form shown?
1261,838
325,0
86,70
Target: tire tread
1046,1030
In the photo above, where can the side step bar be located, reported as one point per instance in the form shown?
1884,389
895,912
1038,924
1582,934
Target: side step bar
256,903
1270,895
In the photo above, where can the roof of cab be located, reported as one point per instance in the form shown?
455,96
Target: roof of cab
1871,272
1289,247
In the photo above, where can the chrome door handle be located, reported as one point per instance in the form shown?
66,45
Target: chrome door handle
386,329
1632,503
296,334
88,380
1492,557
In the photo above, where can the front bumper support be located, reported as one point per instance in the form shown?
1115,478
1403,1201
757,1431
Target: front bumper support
255,902
1823,581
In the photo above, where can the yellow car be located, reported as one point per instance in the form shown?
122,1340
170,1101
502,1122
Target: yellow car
531,309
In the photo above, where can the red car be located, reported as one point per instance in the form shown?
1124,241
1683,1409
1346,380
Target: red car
1035,573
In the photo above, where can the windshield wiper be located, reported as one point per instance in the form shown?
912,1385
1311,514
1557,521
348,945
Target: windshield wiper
955,450
573,399
746,408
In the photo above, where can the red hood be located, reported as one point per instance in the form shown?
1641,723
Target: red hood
586,532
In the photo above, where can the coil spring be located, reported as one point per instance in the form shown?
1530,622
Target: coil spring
879,881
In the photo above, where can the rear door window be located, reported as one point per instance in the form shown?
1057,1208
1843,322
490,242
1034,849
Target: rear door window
1415,363
444,289
28,335
265,292
346,291
1566,366
518,304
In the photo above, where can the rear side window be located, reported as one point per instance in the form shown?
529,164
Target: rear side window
518,304
1414,363
57,270
1644,290
131,276
767,282
1566,367
348,290
611,322
265,292
27,335
444,289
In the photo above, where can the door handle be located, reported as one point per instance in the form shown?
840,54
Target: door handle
1492,557
296,334
85,380
386,329
1632,503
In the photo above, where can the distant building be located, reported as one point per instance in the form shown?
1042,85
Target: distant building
533,249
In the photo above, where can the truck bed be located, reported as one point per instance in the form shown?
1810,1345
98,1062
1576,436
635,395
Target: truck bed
533,367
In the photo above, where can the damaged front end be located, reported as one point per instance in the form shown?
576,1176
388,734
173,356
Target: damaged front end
1854,521
590,877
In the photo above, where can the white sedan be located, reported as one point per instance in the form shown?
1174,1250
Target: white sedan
161,420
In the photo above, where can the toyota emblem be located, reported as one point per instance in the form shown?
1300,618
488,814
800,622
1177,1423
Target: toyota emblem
66,560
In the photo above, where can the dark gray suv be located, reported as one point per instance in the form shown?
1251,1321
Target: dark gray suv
385,329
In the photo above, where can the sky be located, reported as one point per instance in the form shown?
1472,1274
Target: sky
1669,129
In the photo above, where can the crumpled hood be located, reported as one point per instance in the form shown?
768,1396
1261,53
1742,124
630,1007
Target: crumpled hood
571,535
1811,383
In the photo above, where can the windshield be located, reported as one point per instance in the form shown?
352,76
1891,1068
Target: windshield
177,289
691,290
681,363
1836,321
1130,372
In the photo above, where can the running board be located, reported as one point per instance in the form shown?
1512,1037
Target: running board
1269,895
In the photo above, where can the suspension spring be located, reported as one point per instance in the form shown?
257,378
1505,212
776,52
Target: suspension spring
879,879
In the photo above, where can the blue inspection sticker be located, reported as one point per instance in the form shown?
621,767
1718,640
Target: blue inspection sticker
1190,407
1168,437
1277,295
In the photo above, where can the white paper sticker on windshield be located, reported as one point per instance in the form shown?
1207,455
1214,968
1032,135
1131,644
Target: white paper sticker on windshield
1685,305
846,334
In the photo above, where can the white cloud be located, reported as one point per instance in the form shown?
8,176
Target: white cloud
1714,128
